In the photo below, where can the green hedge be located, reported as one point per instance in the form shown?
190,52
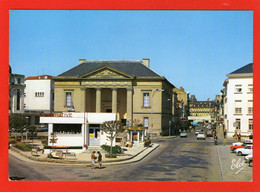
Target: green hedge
23,146
60,147
115,150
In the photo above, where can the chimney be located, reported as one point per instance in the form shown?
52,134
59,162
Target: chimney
208,99
81,60
182,89
146,62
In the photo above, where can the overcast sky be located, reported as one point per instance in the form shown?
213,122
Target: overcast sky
192,49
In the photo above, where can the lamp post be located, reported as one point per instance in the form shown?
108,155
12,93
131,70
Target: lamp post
157,90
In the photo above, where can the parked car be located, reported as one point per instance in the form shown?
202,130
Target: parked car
41,129
183,134
201,135
248,142
209,133
250,163
238,145
197,131
245,151
248,158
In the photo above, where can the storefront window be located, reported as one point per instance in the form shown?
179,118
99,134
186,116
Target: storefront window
67,128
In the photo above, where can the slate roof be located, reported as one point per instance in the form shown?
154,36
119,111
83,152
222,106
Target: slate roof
135,68
246,69
203,104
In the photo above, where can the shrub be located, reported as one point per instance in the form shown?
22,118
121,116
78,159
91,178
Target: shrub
23,146
115,150
12,141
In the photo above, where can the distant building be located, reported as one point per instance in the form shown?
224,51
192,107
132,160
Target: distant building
181,109
238,101
202,111
16,92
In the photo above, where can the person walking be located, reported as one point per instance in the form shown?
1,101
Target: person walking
239,137
216,139
99,159
93,157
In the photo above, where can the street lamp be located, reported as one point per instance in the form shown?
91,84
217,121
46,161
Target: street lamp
157,90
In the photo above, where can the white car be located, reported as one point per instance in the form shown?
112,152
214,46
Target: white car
245,151
241,143
197,131
183,134
201,135
248,158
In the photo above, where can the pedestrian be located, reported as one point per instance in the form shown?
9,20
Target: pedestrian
251,136
225,133
216,139
239,137
93,157
99,159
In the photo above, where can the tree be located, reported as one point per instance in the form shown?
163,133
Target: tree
33,131
112,128
18,123
53,139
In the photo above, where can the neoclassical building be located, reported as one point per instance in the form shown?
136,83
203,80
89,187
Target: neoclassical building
130,89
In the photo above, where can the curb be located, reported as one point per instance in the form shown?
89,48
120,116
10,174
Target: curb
80,162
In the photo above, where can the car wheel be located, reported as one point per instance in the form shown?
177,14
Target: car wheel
251,163
239,153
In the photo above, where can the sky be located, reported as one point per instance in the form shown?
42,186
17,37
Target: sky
192,49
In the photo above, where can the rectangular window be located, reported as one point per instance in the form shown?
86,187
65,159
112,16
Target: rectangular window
238,89
250,107
250,124
146,122
39,94
238,107
237,124
146,100
250,88
68,99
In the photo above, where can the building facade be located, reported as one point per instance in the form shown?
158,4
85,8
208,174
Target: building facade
128,89
181,108
38,97
238,101
16,92
202,111
39,94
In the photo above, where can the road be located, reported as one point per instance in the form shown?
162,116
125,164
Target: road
178,159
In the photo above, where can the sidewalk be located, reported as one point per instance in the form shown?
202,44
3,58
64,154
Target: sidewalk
132,155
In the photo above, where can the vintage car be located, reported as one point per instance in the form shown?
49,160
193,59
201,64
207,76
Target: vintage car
183,134
209,133
248,158
201,135
197,131
238,145
245,151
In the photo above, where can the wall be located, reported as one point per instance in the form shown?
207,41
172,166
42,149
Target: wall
38,103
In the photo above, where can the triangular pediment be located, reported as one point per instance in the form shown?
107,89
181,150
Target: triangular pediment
106,72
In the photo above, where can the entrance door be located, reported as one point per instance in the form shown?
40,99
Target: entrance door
94,136
135,138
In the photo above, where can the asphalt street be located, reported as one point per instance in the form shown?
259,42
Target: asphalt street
178,159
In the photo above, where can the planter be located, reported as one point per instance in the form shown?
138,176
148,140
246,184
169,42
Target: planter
108,156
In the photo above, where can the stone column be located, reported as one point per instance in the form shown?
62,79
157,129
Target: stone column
98,100
114,100
83,100
129,107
